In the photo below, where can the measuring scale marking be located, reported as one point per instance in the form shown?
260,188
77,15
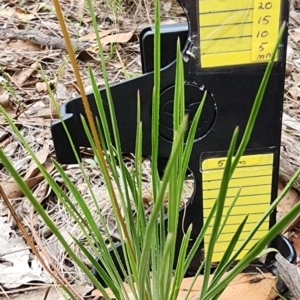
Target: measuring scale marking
254,176
237,32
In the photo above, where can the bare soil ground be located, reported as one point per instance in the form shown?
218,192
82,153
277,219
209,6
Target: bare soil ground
32,49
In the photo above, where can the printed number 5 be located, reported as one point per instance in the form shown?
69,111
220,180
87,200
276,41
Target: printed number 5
261,46
221,163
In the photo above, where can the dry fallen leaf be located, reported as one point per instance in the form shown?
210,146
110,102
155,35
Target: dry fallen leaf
294,93
86,56
17,267
92,35
6,103
10,148
295,34
296,77
116,38
80,11
3,136
25,45
20,13
61,92
22,75
295,15
42,157
12,189
167,6
41,87
42,191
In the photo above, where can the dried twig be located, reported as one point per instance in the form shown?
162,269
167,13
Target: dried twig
51,264
27,237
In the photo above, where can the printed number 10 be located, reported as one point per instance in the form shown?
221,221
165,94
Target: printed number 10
262,34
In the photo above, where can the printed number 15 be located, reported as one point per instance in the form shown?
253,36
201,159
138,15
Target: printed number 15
264,20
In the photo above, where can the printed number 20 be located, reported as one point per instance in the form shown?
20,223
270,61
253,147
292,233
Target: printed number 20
267,5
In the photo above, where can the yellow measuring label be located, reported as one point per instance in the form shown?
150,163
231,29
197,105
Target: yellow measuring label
254,176
237,32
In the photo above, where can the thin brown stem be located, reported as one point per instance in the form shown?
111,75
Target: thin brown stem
90,119
50,261
27,237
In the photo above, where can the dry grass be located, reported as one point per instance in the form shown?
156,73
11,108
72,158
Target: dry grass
29,105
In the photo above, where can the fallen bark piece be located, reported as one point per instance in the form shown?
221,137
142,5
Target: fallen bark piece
290,274
290,150
40,38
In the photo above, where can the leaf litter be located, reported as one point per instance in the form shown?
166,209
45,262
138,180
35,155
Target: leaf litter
30,39
31,48
17,265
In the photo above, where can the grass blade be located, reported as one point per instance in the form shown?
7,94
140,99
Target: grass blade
219,211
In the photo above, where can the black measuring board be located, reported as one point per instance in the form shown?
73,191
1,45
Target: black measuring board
226,45
231,44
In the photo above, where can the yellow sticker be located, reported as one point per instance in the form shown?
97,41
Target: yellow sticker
265,29
254,176
237,32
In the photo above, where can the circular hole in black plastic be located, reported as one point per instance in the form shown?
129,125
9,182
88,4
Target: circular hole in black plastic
193,97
